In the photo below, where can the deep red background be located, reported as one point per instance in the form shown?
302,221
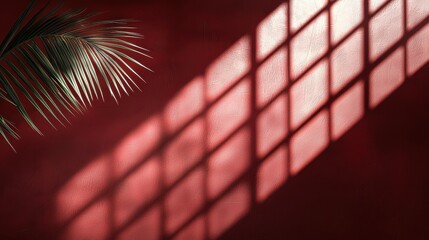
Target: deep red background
372,184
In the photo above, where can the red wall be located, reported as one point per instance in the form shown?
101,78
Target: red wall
263,120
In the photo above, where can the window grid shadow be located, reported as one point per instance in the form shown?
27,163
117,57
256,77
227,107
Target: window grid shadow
250,174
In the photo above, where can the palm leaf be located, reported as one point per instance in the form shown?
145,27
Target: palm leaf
60,61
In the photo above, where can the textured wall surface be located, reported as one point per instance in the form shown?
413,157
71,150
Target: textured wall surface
297,119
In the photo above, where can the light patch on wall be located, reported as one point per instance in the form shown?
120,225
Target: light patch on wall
417,11
184,151
309,45
309,142
137,145
347,110
271,32
229,113
271,77
418,50
228,68
92,224
271,174
346,15
194,231
385,28
347,61
374,5
229,210
303,11
308,94
184,200
83,187
137,190
228,163
185,105
148,225
386,77
271,125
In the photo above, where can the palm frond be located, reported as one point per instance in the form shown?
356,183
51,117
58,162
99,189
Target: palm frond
60,61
